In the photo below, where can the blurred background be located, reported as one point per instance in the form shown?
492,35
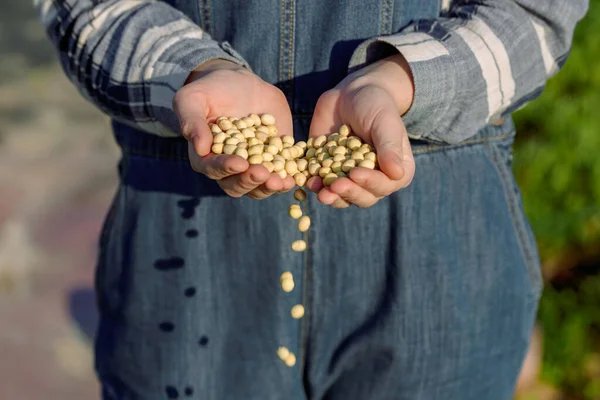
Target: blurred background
58,173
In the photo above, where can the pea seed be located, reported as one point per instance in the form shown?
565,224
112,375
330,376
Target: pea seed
283,353
344,130
329,179
301,144
357,155
256,149
371,156
331,150
278,165
241,152
240,136
267,119
294,152
343,141
295,211
348,165
262,128
277,142
367,164
232,131
254,141
279,157
273,131
224,124
363,150
256,118
300,195
300,179
310,153
309,143
353,144
287,285
229,149
329,145
217,148
320,141
286,275
249,121
333,138
232,140
320,150
327,163
282,174
313,169
214,128
242,145
232,119
304,223
248,133
324,171
291,167
240,124
305,173
297,311
340,150
267,157
255,159
367,146
221,119
262,137
341,174
339,157
219,137
271,149
299,245
288,139
323,156
268,165
286,153
290,360
302,164
336,167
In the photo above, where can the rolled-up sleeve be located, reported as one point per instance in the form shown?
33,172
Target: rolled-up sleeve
480,60
129,57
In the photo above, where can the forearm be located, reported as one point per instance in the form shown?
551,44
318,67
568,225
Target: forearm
129,57
479,61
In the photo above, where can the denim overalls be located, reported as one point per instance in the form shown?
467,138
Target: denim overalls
430,294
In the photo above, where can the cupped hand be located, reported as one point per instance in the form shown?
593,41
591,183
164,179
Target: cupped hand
222,88
371,102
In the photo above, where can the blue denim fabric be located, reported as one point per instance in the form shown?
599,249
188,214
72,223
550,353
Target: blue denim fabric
430,294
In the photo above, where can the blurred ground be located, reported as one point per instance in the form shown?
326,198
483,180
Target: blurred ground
57,175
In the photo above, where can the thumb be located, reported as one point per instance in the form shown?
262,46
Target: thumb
192,120
390,139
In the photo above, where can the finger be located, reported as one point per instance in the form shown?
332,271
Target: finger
314,184
239,185
216,166
391,142
327,197
273,185
288,184
353,193
191,112
325,120
375,182
341,203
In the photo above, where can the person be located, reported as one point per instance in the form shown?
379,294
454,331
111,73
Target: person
426,288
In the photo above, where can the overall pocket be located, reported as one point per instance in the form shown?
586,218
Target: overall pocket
500,153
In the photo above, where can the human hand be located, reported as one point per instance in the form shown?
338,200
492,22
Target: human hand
222,88
370,101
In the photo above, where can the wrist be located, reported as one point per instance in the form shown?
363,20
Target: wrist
399,81
210,66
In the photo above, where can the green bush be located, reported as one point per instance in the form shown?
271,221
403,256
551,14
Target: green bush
557,165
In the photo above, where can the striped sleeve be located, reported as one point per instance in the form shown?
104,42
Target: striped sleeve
480,60
129,57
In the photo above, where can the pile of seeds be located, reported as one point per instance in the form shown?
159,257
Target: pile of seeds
254,138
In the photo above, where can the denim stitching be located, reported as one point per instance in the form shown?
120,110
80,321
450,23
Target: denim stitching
517,218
